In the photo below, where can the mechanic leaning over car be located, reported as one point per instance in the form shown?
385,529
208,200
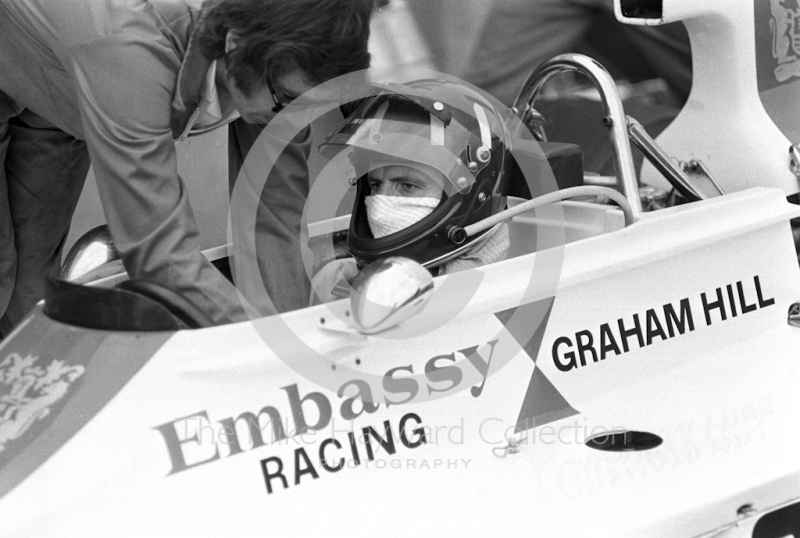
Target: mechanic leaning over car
424,156
114,83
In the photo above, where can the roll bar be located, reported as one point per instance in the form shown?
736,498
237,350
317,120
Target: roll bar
614,118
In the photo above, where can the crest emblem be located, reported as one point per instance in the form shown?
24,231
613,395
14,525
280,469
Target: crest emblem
785,26
28,390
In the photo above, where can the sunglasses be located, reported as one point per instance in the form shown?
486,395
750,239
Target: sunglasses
279,104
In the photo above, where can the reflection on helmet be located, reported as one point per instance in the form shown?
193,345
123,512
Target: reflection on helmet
438,124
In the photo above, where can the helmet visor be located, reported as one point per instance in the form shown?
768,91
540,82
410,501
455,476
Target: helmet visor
396,140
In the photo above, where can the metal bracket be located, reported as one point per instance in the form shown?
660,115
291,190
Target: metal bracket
675,174
794,315
794,160
533,120
698,168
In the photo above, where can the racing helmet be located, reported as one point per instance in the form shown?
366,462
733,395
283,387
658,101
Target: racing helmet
449,127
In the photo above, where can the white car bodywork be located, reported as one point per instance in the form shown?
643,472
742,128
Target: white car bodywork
675,325
155,459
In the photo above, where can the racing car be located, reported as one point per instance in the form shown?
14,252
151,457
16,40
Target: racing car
629,370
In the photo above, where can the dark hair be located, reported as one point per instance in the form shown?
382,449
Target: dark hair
322,38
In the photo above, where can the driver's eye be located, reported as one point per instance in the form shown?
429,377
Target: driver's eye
406,187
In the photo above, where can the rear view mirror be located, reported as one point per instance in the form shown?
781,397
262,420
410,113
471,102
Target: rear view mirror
94,249
388,292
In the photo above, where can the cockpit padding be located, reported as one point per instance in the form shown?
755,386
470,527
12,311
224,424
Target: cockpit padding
538,158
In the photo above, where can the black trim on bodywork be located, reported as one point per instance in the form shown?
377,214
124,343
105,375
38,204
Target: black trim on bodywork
642,9
111,309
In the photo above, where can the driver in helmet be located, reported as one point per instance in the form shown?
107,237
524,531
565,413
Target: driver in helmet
425,157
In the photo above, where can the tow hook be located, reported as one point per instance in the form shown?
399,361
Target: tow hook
794,315
512,447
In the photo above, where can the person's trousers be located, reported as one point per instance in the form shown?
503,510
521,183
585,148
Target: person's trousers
280,210
42,172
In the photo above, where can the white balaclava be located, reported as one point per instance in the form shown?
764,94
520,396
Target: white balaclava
390,214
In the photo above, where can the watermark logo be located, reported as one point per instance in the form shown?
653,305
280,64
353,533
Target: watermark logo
297,343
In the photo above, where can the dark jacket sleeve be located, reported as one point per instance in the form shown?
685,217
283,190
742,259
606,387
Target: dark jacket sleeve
124,90
279,213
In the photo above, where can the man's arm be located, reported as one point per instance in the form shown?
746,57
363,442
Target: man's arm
124,89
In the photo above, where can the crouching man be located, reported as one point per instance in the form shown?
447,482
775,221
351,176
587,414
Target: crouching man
425,157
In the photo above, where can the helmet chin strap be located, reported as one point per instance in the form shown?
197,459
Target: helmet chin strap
461,249
491,247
